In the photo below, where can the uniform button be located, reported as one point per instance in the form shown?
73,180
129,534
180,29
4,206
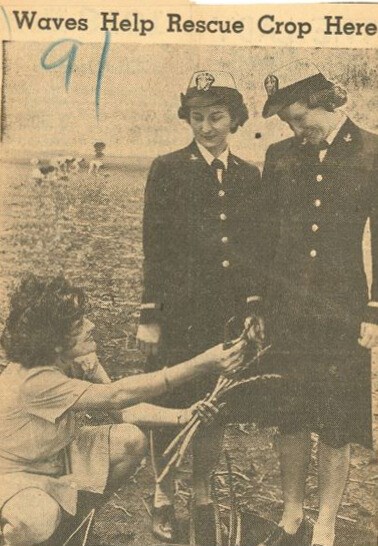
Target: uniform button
223,216
314,227
226,263
221,193
317,202
319,178
224,239
313,253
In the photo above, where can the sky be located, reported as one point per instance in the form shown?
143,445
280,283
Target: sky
140,94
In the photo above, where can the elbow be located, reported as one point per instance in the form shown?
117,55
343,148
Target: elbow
116,400
120,400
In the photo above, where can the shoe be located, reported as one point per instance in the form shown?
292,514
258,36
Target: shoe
164,523
279,537
204,525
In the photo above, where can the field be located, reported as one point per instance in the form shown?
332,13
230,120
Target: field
90,228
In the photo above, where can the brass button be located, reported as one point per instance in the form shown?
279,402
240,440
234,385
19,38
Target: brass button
317,202
221,193
225,240
319,177
315,228
223,216
226,263
313,253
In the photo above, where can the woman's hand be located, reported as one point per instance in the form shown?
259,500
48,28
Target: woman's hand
256,329
148,338
368,335
86,364
205,410
223,360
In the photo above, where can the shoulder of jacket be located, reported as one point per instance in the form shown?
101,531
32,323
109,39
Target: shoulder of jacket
281,147
369,140
248,165
173,157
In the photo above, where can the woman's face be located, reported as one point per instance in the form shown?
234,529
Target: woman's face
211,126
81,342
308,124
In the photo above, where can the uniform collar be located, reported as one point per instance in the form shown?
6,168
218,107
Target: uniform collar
331,137
209,158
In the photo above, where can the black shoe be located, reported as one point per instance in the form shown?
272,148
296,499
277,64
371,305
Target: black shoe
204,525
279,537
164,523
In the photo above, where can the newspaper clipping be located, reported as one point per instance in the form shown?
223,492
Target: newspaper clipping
188,274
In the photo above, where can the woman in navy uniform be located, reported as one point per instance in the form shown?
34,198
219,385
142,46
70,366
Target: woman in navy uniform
320,187
200,265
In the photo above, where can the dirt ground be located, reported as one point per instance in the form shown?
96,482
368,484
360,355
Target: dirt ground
90,228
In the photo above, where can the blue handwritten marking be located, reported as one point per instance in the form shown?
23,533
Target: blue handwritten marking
101,68
7,21
68,57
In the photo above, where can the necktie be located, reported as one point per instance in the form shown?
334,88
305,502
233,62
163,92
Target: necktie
217,167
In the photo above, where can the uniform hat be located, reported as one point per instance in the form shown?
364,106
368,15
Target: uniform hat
291,83
210,87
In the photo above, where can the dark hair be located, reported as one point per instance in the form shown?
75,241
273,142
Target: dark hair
235,106
41,317
329,99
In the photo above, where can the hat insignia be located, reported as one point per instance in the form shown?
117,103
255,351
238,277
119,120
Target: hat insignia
204,80
348,138
271,84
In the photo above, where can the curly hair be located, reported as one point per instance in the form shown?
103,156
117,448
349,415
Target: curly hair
234,103
42,314
330,98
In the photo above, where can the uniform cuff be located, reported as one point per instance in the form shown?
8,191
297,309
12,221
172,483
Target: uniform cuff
253,299
371,312
151,306
150,312
254,305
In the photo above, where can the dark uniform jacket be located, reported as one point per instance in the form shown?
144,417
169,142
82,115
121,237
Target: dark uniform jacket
199,242
317,295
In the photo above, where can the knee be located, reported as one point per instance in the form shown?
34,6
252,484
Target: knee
133,441
31,517
137,442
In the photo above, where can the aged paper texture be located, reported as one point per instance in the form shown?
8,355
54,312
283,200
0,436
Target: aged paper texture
90,95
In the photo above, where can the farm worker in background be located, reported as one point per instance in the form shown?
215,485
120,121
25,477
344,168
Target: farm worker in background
45,457
320,187
200,247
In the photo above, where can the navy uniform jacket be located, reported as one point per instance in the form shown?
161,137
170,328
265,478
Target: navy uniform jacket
316,214
317,293
200,242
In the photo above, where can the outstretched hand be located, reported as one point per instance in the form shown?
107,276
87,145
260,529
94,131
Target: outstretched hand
223,359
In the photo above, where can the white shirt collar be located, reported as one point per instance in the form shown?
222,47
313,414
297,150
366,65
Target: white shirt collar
331,137
209,158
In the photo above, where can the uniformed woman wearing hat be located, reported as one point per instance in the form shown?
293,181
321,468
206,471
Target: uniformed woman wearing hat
320,188
200,247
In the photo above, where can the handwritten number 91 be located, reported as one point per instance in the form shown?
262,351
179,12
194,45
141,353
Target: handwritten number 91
69,58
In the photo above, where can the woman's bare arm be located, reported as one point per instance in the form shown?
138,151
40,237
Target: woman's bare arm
149,415
143,387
